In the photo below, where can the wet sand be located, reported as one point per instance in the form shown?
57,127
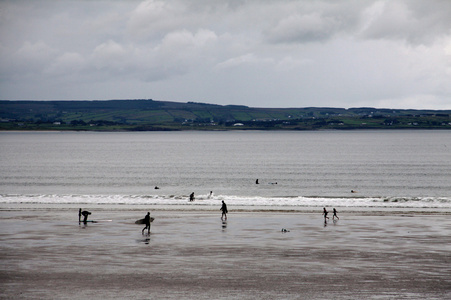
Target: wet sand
46,253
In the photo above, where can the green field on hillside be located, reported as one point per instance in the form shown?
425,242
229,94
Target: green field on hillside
130,115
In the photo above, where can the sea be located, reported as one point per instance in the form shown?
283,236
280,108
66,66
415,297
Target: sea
360,169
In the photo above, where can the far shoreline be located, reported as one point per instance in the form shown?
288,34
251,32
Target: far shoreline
177,129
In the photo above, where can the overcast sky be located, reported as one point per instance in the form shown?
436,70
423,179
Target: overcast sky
260,53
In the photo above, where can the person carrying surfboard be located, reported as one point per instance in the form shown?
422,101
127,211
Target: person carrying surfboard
147,222
85,215
224,210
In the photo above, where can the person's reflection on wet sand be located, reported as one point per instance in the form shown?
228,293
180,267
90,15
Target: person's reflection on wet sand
224,225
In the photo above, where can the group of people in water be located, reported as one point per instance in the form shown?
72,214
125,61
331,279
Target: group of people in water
192,198
147,219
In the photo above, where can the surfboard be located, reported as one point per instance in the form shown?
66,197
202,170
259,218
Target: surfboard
141,221
95,221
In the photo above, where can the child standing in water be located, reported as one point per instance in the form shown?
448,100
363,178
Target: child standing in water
335,215
325,212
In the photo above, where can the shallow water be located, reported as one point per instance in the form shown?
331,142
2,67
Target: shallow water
196,255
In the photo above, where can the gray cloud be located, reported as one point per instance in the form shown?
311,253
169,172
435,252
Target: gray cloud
417,22
257,53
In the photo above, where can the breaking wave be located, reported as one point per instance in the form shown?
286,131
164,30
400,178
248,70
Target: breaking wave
237,201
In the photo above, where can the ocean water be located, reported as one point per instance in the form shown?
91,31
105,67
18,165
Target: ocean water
386,169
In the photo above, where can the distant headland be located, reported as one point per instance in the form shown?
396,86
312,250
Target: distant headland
153,115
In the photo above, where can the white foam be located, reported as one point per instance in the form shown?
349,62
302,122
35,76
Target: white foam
204,200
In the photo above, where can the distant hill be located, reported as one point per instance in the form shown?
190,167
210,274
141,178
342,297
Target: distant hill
165,115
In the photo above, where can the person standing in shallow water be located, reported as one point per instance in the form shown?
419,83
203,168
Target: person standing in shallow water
325,212
335,215
147,222
224,210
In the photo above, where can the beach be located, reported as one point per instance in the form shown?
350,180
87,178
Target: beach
191,254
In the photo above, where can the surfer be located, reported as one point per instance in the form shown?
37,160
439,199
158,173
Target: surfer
191,197
325,212
256,181
335,215
211,195
224,210
147,222
85,215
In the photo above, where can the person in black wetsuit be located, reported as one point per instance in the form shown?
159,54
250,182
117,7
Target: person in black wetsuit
325,212
147,222
191,197
224,210
335,215
85,215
